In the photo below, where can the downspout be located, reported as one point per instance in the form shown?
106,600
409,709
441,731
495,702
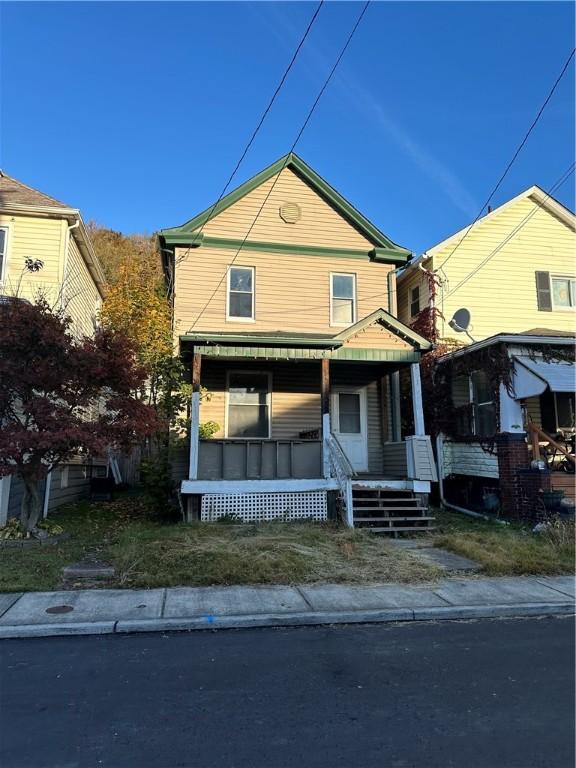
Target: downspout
64,271
448,504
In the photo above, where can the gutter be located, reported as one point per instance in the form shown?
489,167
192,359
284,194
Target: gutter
518,339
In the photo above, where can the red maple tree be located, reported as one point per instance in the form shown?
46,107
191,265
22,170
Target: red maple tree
61,396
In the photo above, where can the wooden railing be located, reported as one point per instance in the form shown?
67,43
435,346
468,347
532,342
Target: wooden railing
342,471
537,434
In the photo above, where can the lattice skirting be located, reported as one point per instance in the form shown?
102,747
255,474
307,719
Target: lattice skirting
258,507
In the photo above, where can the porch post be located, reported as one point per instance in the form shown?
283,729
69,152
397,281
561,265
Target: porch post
325,409
195,416
417,399
511,417
394,381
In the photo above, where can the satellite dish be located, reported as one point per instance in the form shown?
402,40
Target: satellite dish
461,322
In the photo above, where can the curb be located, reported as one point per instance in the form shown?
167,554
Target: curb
443,613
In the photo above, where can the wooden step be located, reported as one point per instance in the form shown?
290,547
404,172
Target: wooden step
386,519
384,498
394,529
389,509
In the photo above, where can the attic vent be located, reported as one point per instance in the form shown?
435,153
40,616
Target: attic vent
290,212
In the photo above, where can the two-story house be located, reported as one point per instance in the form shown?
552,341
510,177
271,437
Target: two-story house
506,284
36,228
283,297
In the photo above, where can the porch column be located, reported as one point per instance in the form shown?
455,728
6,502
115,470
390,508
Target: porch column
195,416
325,409
511,417
417,399
396,416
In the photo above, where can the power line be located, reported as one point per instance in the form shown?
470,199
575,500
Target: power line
260,122
511,163
292,148
562,180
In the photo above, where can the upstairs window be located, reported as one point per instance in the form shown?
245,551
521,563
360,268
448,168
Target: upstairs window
240,300
342,299
3,240
563,292
248,405
415,301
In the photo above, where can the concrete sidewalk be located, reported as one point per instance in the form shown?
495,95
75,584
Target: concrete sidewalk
82,612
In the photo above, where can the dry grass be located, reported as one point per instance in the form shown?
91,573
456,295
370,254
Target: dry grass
511,550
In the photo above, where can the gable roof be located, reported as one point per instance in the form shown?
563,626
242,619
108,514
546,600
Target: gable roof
14,192
384,247
534,193
390,322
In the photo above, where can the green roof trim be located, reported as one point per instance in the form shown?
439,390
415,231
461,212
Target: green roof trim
194,240
390,322
176,235
299,353
263,340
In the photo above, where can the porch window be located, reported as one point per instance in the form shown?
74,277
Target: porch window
563,292
475,405
342,299
248,405
3,239
565,410
240,301
415,301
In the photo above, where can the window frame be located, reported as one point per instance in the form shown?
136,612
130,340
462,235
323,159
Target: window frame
572,291
413,301
354,298
559,427
234,318
247,371
3,269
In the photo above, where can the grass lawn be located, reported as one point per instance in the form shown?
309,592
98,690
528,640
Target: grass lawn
147,553
507,550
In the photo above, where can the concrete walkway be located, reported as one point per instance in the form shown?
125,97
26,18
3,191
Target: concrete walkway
105,611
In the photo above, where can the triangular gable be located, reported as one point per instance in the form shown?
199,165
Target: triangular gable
194,229
381,329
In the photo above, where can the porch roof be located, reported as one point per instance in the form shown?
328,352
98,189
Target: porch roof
352,354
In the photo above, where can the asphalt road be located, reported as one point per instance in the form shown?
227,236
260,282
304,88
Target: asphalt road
485,694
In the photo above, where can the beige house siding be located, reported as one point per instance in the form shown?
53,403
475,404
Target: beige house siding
405,283
292,292
501,295
31,237
80,295
375,336
318,225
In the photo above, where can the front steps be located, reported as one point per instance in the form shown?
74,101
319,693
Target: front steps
389,511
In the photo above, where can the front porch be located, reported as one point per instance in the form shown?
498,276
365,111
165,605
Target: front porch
297,432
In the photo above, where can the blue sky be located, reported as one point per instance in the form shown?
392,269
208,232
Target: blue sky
137,112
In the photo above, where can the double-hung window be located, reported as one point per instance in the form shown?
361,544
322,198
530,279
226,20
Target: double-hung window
342,299
240,298
415,301
475,405
563,292
3,242
248,405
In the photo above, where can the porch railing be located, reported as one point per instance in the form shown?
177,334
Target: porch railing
536,435
342,471
259,459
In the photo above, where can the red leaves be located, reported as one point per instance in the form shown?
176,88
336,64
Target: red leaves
60,395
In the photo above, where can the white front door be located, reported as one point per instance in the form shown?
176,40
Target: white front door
350,424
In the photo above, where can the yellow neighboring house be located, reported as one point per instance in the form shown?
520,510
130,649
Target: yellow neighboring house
515,270
284,310
37,228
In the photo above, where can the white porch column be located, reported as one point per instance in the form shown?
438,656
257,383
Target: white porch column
417,399
511,417
194,417
325,408
5,483
395,406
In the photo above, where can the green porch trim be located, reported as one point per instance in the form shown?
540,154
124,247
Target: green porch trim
263,340
195,240
297,353
390,322
314,180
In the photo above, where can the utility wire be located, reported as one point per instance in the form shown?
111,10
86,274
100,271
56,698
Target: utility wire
260,122
286,159
512,161
562,180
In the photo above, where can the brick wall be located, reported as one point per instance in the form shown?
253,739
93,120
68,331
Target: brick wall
520,486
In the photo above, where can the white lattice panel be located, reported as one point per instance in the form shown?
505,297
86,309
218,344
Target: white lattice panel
258,507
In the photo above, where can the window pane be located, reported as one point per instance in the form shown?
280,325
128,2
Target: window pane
486,420
481,385
342,310
240,279
240,305
561,291
343,286
2,243
565,410
349,413
460,391
248,421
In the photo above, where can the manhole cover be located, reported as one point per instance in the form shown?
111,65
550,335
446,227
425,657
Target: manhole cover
59,609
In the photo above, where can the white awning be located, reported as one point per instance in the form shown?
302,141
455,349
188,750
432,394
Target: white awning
531,377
